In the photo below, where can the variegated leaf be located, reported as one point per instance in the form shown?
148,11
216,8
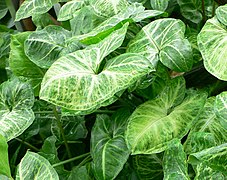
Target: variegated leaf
16,101
156,122
108,8
31,7
160,5
109,144
164,40
221,13
69,9
45,46
220,107
34,166
174,161
76,81
214,157
3,9
213,49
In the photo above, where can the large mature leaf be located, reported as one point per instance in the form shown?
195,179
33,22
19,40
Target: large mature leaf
148,167
221,13
16,101
154,123
34,166
159,4
220,108
207,131
205,172
108,8
164,40
69,9
45,46
32,7
214,157
174,161
21,65
212,45
3,9
4,162
192,9
108,147
88,86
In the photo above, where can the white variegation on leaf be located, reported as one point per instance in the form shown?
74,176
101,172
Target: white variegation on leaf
159,4
221,13
164,40
77,82
34,166
156,122
108,8
212,43
220,108
31,7
16,101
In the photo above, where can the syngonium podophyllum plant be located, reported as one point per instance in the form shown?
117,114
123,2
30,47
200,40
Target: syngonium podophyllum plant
124,89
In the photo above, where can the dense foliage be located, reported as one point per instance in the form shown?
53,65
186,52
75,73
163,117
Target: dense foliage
123,89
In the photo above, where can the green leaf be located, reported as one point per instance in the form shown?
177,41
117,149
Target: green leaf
108,148
148,167
214,157
220,108
4,162
108,8
32,7
156,122
221,13
69,9
42,20
34,166
174,161
164,40
21,65
211,125
4,44
213,49
160,5
192,9
44,47
88,86
80,173
3,9
205,172
16,101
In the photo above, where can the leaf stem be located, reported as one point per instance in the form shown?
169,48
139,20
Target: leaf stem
71,159
203,11
28,144
62,131
213,8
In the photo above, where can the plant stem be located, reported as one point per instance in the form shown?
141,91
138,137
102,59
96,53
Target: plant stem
27,144
85,160
203,11
213,9
71,159
44,112
62,131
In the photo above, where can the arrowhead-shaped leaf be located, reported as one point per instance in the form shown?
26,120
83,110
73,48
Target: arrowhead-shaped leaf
31,7
174,161
164,40
44,47
213,49
76,82
34,166
107,143
156,122
16,101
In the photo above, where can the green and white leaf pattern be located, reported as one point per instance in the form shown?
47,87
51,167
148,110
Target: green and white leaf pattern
34,166
45,46
156,122
174,161
69,9
107,143
75,81
31,7
3,9
16,101
160,5
214,157
108,8
220,108
213,49
221,13
164,40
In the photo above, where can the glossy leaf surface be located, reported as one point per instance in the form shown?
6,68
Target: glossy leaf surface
159,5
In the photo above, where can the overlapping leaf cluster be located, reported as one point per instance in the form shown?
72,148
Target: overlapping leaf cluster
123,89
